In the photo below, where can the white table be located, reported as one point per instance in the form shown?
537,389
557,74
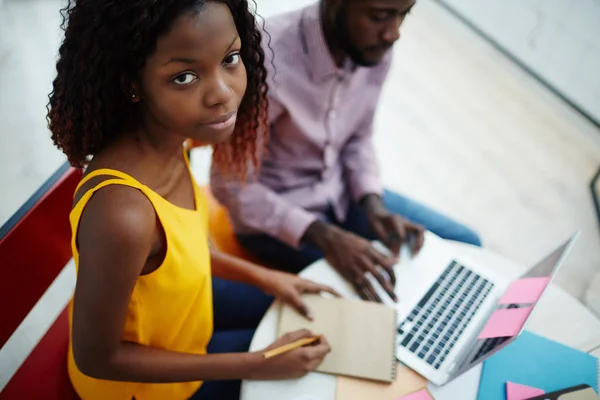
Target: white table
558,317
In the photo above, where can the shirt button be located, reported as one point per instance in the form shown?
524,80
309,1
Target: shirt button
329,157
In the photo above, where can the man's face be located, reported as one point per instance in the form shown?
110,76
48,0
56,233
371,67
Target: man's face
369,28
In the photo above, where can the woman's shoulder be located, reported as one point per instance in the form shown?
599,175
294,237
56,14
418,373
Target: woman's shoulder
119,208
117,219
104,167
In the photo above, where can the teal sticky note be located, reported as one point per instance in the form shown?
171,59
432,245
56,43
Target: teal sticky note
537,362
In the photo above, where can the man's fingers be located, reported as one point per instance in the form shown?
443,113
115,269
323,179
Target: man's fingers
385,262
373,294
397,227
394,246
392,241
419,240
365,289
380,231
388,235
385,284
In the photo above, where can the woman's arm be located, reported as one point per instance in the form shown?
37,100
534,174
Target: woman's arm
285,286
117,233
236,269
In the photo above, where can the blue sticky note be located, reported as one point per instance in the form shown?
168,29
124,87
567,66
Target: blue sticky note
538,362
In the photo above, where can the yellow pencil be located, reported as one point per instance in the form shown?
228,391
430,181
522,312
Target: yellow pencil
291,346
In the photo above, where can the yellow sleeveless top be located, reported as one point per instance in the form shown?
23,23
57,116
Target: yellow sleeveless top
170,308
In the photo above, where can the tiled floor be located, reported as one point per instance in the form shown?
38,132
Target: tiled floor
459,128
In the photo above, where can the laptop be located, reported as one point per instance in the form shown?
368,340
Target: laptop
445,302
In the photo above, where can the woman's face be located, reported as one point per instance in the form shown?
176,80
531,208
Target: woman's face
195,81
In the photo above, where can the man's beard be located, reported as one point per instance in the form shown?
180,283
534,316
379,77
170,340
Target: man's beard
343,38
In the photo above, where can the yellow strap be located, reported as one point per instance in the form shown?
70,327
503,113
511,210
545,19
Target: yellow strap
124,176
110,172
81,203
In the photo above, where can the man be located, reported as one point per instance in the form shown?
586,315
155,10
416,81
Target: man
318,192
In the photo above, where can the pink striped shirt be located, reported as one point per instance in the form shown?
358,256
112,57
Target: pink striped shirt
321,119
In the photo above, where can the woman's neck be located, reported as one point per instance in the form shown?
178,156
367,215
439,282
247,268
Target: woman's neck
148,157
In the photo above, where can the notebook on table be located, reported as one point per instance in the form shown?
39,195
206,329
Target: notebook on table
361,334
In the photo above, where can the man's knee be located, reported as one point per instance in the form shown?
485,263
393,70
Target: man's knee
469,236
279,255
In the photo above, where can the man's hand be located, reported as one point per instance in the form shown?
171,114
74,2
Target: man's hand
289,288
353,257
392,229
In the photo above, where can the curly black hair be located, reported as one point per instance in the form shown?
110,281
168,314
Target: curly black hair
105,47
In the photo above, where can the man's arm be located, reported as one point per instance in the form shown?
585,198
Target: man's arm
362,174
358,154
257,206
360,162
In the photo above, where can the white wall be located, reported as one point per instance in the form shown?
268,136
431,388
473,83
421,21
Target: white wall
29,40
558,39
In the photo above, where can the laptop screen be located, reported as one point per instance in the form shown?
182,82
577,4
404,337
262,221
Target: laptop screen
515,308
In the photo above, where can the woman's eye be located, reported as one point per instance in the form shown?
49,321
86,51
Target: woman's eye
184,79
232,59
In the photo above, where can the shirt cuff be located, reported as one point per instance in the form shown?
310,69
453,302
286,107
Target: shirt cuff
362,187
295,225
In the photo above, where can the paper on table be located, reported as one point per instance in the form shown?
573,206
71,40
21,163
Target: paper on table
407,381
514,391
464,386
525,291
505,322
420,395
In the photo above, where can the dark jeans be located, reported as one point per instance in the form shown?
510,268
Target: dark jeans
280,255
238,309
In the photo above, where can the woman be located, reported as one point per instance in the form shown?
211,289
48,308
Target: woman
135,80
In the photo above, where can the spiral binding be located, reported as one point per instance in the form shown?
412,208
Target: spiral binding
394,361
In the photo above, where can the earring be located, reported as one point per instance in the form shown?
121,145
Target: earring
133,95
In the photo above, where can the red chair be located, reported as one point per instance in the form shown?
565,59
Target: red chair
35,246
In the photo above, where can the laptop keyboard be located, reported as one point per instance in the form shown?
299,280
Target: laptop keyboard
433,327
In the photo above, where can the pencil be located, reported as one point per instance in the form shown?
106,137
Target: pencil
291,346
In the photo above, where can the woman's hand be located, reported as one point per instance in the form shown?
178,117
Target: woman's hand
294,363
289,288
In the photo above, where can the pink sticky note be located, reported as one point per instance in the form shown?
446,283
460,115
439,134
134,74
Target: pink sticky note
420,395
525,291
514,391
505,322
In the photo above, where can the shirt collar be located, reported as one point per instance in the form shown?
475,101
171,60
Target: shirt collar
321,62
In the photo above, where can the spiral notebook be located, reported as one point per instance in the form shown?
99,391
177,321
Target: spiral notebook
362,335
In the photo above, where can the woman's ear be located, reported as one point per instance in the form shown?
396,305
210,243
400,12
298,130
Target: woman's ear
131,89
134,93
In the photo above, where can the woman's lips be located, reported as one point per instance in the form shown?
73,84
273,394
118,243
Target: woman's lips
222,123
